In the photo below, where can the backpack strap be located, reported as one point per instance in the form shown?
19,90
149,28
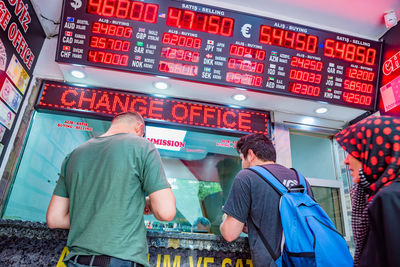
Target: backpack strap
280,189
266,244
272,180
302,180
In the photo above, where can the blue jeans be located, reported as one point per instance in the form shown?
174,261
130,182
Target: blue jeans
114,262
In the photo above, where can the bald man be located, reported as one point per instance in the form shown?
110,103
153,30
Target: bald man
100,196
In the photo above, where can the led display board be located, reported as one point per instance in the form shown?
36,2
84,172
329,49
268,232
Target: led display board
218,46
107,103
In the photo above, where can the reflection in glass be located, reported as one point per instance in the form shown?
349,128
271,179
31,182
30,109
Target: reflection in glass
199,165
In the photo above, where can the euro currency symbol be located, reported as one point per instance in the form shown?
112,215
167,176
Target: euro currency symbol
246,30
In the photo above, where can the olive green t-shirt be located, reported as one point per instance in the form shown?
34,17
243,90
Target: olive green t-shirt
106,179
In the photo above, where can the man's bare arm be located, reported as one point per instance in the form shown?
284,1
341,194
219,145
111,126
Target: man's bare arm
58,213
231,228
162,204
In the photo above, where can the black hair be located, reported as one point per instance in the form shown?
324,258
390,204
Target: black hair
260,144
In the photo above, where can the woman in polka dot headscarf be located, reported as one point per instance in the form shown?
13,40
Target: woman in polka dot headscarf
373,147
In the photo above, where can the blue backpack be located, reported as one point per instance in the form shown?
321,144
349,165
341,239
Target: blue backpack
311,239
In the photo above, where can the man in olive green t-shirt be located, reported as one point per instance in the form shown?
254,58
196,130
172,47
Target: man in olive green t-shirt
100,196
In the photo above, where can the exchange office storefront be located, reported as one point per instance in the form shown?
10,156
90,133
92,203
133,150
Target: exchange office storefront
197,144
200,164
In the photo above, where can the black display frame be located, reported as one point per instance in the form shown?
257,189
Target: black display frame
334,92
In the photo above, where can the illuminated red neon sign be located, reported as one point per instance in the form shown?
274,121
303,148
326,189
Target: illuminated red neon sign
107,103
391,64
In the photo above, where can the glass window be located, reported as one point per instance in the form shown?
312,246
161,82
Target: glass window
329,200
200,166
312,155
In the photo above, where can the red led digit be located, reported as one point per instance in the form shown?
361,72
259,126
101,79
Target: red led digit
294,62
350,52
181,40
277,36
108,58
312,44
92,56
370,56
306,63
120,31
93,41
233,49
127,32
360,55
187,19
247,52
259,68
301,62
240,51
180,54
126,46
370,76
358,86
104,29
195,56
177,68
112,29
227,27
213,24
245,79
265,34
360,74
189,42
320,65
101,42
151,13
340,49
357,98
245,65
301,41
304,89
197,43
94,6
137,9
200,23
166,39
329,49
96,27
116,59
305,76
260,54
108,8
123,9
173,17
289,39
107,43
110,44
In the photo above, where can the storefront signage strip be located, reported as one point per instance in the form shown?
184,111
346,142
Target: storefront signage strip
107,103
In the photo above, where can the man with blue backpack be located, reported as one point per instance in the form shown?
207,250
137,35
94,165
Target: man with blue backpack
274,204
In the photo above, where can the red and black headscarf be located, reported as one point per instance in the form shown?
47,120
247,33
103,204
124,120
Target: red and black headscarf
375,141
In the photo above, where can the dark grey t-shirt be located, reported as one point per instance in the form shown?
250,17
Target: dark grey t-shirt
254,202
